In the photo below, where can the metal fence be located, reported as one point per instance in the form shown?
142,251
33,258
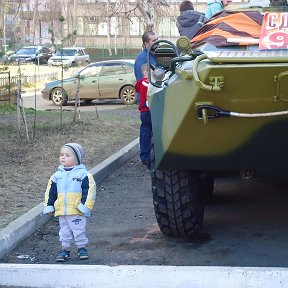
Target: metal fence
6,81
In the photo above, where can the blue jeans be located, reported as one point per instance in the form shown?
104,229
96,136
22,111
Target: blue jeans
137,98
145,135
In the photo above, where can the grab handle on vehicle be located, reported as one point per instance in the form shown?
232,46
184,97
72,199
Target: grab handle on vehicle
196,77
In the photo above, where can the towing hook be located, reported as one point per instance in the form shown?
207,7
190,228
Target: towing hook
211,111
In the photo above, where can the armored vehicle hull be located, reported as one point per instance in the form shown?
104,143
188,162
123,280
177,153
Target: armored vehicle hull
185,138
216,111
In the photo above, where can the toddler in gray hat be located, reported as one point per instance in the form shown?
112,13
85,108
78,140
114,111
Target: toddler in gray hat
70,195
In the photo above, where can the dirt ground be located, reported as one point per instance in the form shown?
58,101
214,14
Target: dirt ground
245,225
27,165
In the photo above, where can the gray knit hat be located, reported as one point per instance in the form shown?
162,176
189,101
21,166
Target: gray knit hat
77,150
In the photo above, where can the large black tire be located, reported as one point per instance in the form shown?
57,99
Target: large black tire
178,202
206,183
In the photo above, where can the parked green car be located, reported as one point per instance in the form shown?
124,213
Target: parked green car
111,79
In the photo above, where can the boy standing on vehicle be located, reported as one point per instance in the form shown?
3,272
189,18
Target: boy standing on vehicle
189,21
70,194
215,6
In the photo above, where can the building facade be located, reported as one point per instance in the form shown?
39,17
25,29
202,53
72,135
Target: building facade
88,23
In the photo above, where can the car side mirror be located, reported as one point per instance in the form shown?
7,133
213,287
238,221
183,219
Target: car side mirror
81,77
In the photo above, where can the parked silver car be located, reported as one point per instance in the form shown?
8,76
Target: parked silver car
111,79
70,57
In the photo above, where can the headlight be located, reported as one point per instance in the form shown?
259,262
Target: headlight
43,87
183,44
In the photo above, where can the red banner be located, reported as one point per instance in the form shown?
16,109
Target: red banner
274,31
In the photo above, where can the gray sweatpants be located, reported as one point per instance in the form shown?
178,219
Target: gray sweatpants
72,228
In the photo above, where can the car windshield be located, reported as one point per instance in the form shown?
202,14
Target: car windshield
27,51
88,71
65,52
75,74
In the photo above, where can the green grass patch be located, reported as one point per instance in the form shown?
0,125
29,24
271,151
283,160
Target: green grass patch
8,108
50,121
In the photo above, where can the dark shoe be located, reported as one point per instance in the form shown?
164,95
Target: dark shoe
63,256
149,170
82,253
148,165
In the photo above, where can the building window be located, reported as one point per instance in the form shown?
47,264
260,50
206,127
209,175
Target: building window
80,26
115,23
102,28
167,27
136,26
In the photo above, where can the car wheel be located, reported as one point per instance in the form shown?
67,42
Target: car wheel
58,97
88,101
128,95
44,62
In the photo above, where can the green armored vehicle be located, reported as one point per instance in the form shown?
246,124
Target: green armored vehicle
220,107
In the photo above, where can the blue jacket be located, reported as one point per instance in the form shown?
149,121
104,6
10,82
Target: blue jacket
140,60
214,6
189,22
70,192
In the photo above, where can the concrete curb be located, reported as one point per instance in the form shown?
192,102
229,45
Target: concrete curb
102,170
86,276
25,225
21,228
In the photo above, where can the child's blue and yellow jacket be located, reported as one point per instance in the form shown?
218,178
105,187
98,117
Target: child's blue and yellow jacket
70,192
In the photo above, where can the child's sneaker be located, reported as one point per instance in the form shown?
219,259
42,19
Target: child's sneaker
63,256
82,253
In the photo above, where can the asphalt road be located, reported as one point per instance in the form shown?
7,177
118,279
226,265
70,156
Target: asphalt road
246,225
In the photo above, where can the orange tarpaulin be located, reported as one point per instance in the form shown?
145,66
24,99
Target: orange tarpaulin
228,24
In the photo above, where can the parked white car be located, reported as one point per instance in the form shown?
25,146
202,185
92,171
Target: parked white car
70,57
